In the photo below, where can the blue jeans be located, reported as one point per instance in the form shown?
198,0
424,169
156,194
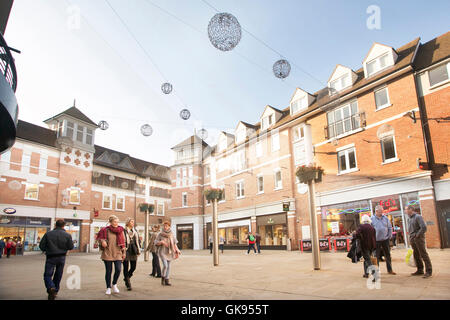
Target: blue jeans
251,245
117,270
258,247
165,268
54,267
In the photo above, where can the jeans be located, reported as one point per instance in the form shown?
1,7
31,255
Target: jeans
258,247
420,253
251,245
210,247
54,267
384,245
166,268
128,273
156,269
221,247
367,263
117,270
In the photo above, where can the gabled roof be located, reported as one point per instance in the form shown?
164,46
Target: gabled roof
75,113
433,51
299,89
335,68
269,106
34,133
248,125
194,139
377,44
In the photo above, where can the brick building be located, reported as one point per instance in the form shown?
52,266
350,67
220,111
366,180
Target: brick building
58,172
365,129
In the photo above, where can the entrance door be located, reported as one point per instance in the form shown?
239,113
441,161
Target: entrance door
398,228
186,239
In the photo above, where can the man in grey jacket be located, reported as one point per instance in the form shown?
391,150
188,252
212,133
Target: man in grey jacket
55,244
383,230
417,229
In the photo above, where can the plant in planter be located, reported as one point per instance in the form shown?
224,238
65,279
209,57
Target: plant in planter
143,207
213,194
308,173
151,208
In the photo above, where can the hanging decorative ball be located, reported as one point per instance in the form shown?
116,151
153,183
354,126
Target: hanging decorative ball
115,158
203,134
111,178
103,125
166,88
146,130
124,185
14,185
224,31
281,69
185,114
83,184
96,174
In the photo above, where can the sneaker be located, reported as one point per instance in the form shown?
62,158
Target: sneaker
115,289
108,291
246,253
417,273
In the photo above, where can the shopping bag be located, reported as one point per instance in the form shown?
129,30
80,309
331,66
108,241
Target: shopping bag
410,259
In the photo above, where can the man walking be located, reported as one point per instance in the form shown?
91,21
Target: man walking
55,244
383,230
417,229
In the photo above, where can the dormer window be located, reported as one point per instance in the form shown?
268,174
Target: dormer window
240,135
70,129
223,143
80,130
377,64
299,105
341,82
267,121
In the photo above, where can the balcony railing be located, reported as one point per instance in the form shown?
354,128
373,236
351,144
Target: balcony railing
345,125
7,66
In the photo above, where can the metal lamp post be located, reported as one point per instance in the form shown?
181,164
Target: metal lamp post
146,253
314,231
215,234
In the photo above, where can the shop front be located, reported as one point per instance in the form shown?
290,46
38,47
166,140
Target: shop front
273,231
73,228
234,233
185,236
26,230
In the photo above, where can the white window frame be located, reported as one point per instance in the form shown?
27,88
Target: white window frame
275,171
117,198
347,161
163,209
42,168
89,134
26,164
382,150
297,131
224,194
79,195
442,82
27,185
110,202
299,160
341,108
241,190
388,104
377,67
258,184
299,105
183,203
275,137
191,175
82,133
73,128
340,81
258,149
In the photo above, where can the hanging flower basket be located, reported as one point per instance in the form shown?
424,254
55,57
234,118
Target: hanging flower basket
143,207
151,208
213,194
308,173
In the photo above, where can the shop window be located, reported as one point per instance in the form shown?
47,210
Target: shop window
239,189
260,184
107,203
278,182
388,149
344,218
31,191
439,74
273,230
382,98
120,203
347,160
73,228
74,196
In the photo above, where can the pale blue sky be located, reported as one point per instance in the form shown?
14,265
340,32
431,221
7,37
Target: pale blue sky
112,79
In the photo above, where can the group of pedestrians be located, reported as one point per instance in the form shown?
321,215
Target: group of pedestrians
120,247
221,243
254,240
374,236
7,247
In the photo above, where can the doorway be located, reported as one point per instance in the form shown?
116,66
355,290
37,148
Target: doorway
186,239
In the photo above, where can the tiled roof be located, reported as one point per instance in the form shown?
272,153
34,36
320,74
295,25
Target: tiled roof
34,133
190,141
75,113
433,51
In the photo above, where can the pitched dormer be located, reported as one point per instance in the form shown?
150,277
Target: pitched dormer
225,139
269,117
341,78
300,100
379,58
243,130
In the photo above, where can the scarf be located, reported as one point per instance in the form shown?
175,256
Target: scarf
132,234
103,235
170,239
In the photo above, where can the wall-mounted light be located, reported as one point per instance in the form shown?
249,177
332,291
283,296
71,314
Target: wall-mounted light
412,115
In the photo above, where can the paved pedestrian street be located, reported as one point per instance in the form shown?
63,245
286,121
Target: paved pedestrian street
272,275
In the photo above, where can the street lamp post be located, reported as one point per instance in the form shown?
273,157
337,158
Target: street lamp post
215,234
314,231
146,253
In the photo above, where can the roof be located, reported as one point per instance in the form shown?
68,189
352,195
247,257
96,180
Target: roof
190,141
75,113
433,51
34,133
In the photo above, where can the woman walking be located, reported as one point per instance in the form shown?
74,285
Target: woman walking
167,251
112,243
367,237
156,268
133,246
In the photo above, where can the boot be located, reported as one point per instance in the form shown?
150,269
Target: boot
162,281
127,282
167,283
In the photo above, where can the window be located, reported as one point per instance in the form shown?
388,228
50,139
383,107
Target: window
343,119
388,149
299,133
180,154
31,191
347,160
6,157
275,142
60,128
74,196
377,64
382,98
222,198
238,162
160,211
191,175
439,74
258,148
184,199
89,136
278,184
299,154
299,104
120,203
207,171
260,184
267,121
80,130
341,82
240,135
239,189
26,158
107,204
69,129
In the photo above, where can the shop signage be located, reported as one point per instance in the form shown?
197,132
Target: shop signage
286,206
335,227
270,221
389,205
4,221
9,210
306,245
324,244
184,227
342,244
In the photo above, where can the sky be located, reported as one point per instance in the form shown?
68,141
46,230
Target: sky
113,55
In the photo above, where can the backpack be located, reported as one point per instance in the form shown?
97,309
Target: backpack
251,238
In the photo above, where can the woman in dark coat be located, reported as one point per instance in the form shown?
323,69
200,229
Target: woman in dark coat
133,247
367,238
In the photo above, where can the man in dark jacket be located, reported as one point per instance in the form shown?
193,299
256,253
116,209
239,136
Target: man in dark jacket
55,244
367,238
2,247
258,242
417,229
